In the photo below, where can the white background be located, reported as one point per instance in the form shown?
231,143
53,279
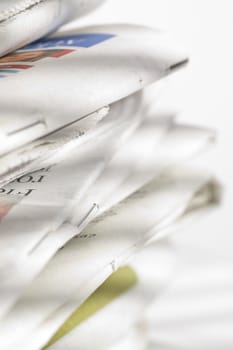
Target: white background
203,94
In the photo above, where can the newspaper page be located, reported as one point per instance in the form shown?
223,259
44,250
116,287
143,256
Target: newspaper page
168,152
84,263
128,292
43,200
24,21
30,158
157,144
42,252
125,174
43,152
60,79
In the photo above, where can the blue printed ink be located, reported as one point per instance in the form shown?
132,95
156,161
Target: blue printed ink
11,71
81,40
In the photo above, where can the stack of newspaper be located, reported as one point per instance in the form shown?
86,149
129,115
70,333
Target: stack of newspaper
92,176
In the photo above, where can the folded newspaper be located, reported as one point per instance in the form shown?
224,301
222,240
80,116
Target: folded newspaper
61,79
23,21
92,177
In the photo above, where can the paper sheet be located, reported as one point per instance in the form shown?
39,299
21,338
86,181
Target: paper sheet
23,21
43,200
84,263
73,74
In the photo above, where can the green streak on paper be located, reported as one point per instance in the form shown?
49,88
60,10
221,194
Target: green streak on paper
116,285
